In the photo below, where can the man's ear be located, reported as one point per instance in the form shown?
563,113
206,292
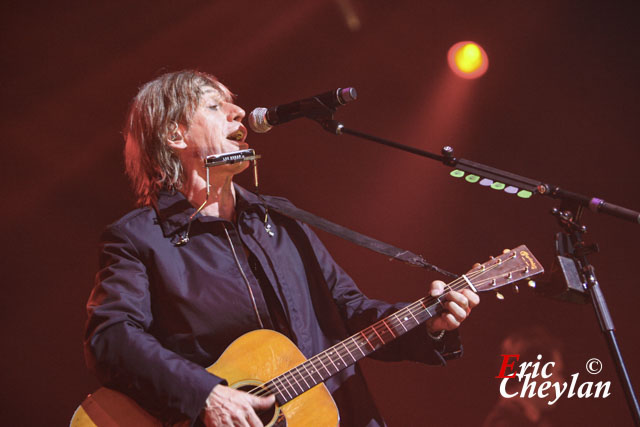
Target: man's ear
175,138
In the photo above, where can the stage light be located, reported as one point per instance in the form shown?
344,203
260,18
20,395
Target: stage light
468,60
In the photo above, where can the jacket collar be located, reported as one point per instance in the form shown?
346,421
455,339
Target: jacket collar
174,210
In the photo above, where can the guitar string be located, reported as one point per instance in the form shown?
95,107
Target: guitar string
327,354
380,328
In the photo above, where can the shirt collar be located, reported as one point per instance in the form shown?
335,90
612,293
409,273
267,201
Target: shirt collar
174,210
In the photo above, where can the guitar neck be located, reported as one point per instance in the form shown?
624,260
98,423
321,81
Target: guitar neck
507,268
345,353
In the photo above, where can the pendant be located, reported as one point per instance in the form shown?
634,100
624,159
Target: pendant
267,228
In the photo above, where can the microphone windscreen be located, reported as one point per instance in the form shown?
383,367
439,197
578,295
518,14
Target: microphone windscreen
258,120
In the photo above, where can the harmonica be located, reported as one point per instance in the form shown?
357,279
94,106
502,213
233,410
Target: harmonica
231,157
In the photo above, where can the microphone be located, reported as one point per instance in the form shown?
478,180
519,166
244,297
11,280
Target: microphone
262,119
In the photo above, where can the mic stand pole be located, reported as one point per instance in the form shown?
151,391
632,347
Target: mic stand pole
528,187
578,251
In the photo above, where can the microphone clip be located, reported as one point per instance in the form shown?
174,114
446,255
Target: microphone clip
319,108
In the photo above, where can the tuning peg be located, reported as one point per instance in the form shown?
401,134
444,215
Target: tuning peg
499,296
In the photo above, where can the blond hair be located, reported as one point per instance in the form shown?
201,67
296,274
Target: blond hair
153,116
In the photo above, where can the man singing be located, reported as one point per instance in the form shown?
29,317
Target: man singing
175,289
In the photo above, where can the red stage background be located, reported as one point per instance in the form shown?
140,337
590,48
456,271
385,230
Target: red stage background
559,103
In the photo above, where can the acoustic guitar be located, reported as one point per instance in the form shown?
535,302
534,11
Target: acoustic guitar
264,362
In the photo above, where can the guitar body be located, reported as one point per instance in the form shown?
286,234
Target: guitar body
251,360
265,356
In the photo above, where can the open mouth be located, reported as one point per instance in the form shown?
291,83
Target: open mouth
237,135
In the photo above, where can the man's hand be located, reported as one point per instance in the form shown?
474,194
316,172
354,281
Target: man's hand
226,406
457,306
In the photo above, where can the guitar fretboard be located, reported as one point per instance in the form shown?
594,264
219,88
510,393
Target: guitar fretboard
509,267
344,354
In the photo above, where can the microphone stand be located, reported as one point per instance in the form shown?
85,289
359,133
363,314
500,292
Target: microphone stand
577,250
526,187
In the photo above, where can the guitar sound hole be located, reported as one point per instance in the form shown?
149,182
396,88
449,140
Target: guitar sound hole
267,415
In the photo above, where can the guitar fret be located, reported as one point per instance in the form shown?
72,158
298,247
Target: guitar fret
271,384
315,371
399,321
323,365
426,308
372,337
369,342
348,351
338,353
414,317
284,387
281,385
376,332
304,365
420,314
385,324
302,376
331,360
353,338
293,375
291,388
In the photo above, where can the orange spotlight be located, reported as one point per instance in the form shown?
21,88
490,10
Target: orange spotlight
468,60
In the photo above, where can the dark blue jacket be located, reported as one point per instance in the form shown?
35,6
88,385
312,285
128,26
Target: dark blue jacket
160,313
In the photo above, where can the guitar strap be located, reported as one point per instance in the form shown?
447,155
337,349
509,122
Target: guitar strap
405,256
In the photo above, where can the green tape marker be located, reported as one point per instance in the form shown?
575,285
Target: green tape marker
498,186
457,173
525,194
472,178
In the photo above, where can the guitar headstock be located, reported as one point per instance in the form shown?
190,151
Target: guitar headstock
517,264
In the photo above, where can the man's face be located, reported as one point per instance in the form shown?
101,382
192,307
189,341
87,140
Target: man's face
215,127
